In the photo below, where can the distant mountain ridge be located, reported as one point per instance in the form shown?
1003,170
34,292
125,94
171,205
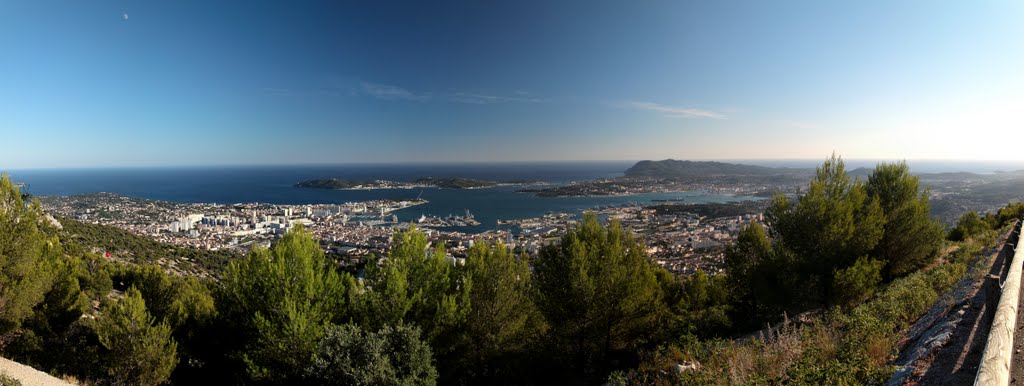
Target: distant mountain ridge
671,168
683,168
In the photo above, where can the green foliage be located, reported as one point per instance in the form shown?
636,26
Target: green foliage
183,302
144,250
141,351
762,277
26,255
418,286
863,235
279,302
7,380
857,283
503,319
55,337
970,226
851,347
598,292
177,300
1008,214
809,371
706,303
828,228
912,238
347,355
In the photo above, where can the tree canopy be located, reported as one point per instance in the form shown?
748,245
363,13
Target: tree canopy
141,350
280,301
26,254
597,291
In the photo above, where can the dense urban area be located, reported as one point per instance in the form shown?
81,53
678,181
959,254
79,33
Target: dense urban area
677,238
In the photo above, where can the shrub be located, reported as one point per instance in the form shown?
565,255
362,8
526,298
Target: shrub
7,380
347,355
141,351
857,283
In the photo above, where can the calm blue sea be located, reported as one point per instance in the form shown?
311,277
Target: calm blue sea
273,184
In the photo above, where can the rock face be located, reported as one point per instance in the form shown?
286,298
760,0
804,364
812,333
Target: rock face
687,366
29,376
54,222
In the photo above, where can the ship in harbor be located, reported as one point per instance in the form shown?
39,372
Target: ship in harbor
449,221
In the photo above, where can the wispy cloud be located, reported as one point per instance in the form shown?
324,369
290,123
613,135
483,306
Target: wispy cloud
388,92
297,93
672,111
464,97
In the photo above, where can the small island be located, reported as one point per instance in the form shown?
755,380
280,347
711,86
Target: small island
426,182
456,183
342,184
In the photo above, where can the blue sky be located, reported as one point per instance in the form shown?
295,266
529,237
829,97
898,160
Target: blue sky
135,83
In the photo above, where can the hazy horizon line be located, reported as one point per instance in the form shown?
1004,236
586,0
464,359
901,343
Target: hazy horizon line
513,162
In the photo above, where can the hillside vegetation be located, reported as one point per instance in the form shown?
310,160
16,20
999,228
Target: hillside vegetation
681,168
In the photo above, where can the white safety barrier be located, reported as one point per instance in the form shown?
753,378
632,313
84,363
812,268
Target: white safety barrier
995,362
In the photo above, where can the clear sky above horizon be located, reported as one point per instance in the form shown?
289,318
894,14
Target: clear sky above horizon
136,83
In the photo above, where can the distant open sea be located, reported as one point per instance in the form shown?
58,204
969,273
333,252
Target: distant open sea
273,184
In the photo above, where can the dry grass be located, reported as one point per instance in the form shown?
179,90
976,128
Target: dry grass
769,356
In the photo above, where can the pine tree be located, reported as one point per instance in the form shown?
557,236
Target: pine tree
26,256
141,351
828,228
280,301
598,292
419,286
912,238
503,319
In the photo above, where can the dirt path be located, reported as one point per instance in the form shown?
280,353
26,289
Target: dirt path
29,376
945,345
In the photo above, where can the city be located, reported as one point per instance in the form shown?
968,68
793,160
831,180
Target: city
681,243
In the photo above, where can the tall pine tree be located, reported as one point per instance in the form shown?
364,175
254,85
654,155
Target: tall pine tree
26,256
598,292
141,351
279,302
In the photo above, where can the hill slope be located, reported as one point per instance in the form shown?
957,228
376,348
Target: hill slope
679,168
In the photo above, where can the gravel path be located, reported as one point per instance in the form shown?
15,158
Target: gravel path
29,376
944,347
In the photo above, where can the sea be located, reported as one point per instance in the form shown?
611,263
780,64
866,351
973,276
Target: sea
274,185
